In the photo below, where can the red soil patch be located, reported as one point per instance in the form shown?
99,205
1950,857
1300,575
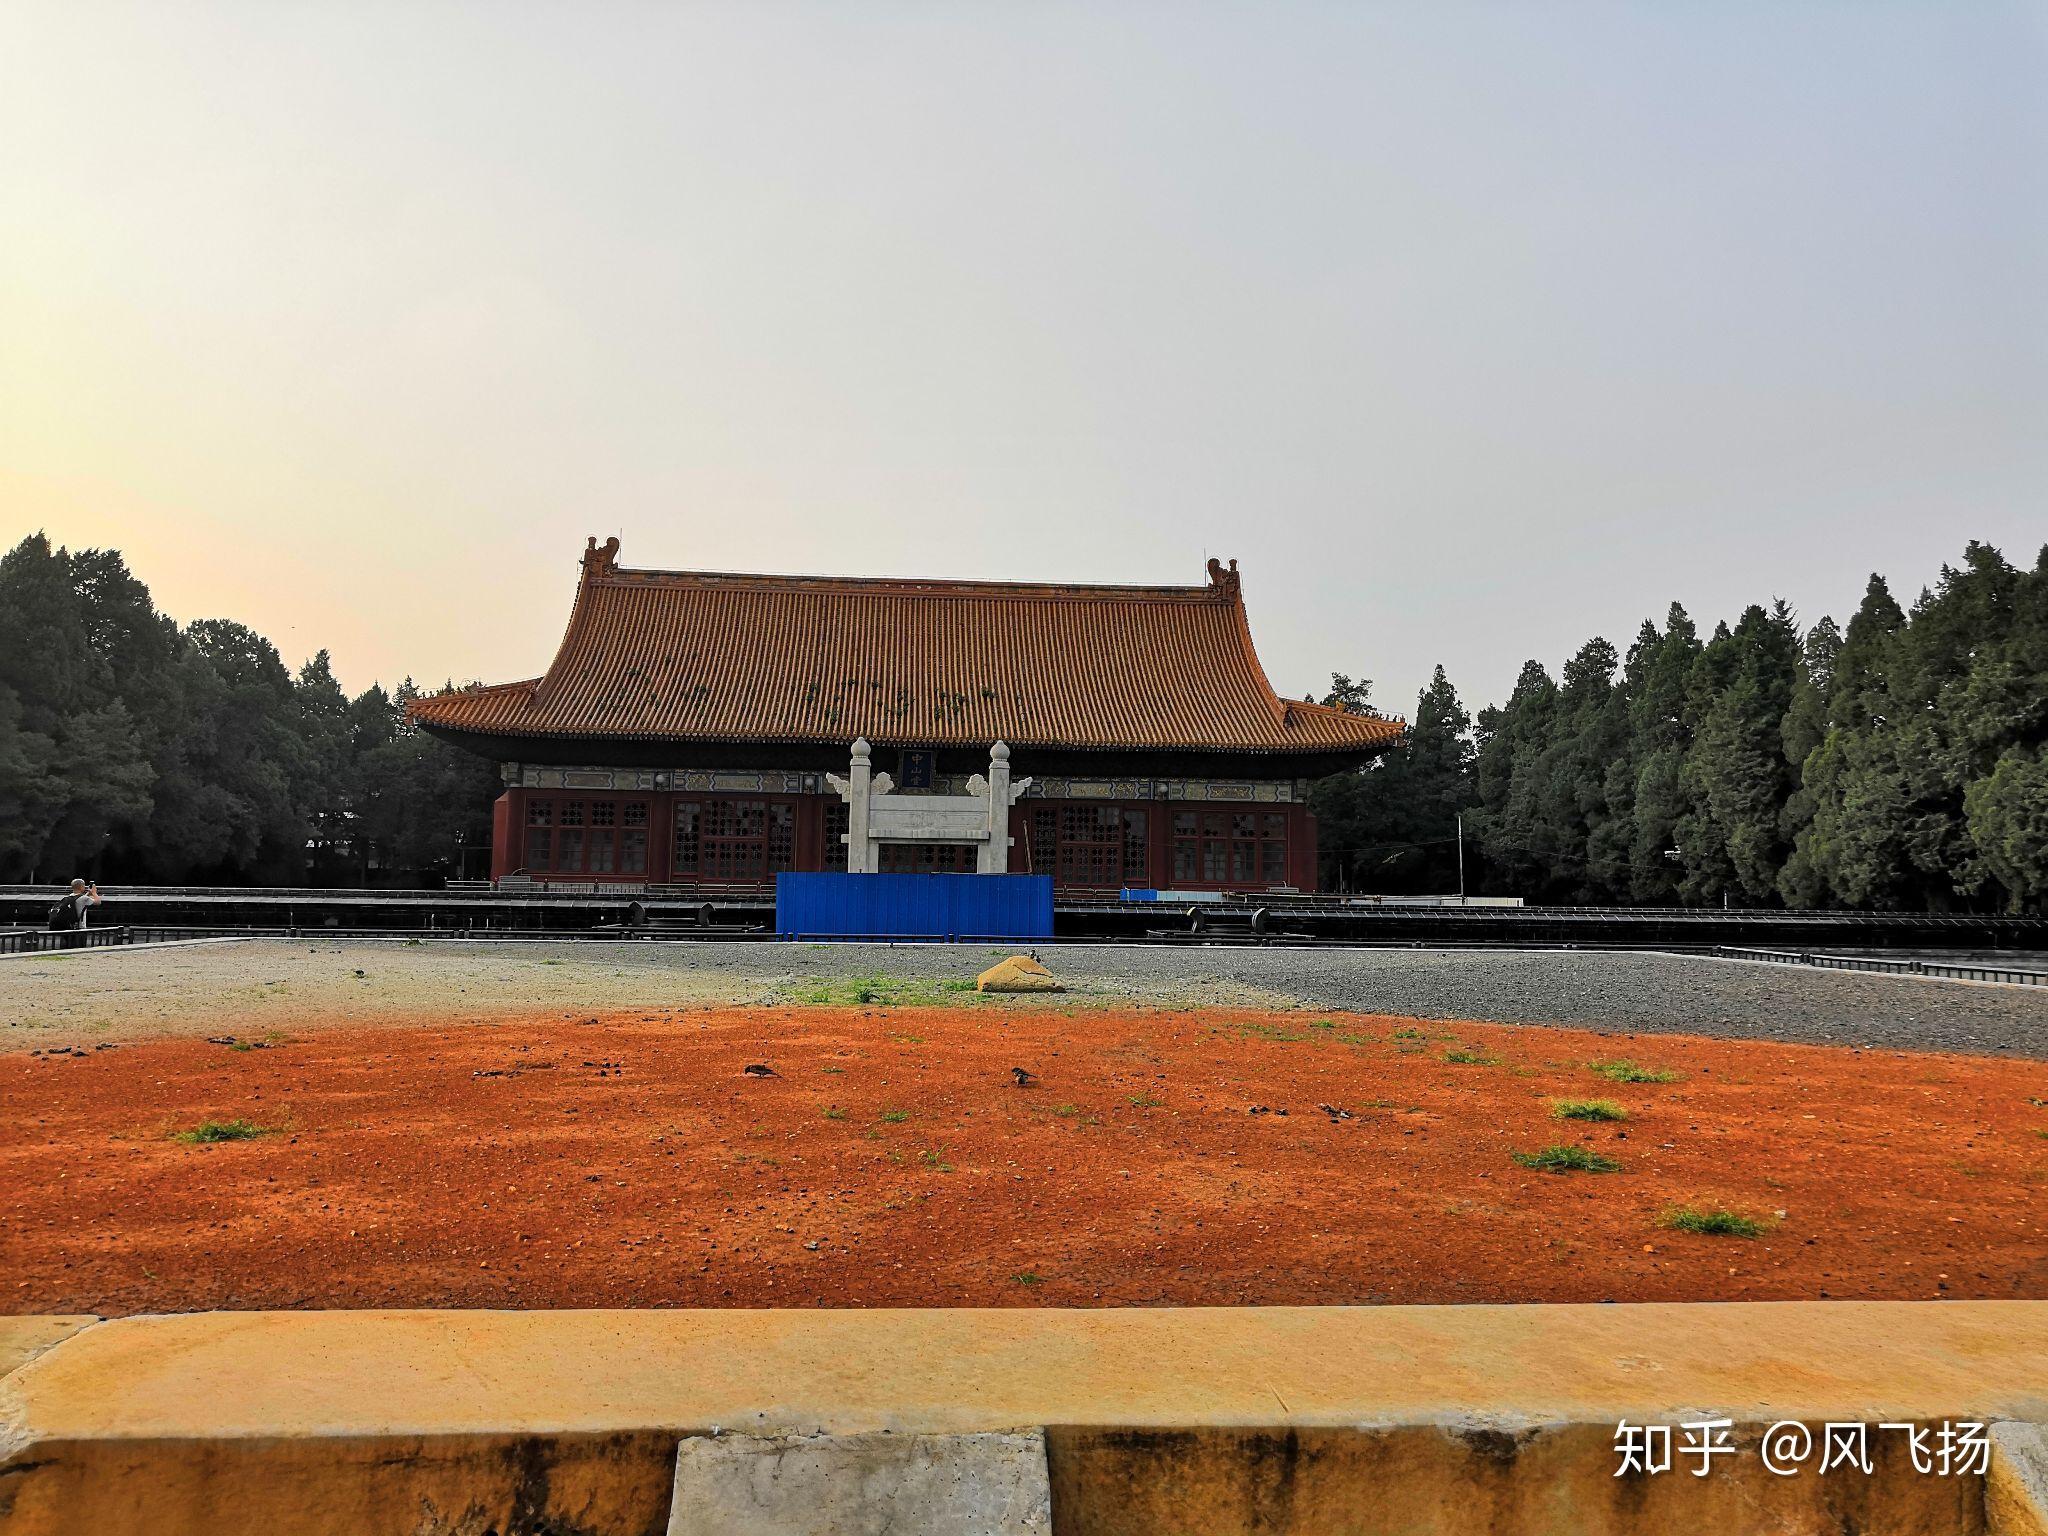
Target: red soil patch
895,1161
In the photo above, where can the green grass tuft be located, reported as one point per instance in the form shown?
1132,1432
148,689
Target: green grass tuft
207,1132
893,1116
1468,1057
1716,1223
1629,1072
1561,1159
1587,1109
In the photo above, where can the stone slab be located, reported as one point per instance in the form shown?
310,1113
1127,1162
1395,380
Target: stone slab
23,1338
961,1370
862,1485
2016,1491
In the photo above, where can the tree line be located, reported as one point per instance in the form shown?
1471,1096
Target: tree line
1899,763
132,748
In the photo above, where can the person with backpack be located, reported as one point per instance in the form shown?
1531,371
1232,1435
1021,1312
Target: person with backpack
68,915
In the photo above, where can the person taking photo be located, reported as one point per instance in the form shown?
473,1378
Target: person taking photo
68,915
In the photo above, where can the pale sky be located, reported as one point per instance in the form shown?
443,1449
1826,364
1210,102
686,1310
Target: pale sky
1470,331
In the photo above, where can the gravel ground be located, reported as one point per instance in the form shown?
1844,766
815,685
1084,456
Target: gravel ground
251,986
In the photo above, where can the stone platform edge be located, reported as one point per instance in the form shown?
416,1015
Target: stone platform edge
583,1409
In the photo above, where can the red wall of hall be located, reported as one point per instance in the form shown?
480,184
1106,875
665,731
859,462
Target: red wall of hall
508,821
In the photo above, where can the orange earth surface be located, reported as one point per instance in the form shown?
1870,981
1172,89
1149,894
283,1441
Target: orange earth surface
894,1159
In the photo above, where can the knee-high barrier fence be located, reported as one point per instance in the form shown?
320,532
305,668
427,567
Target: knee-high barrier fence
35,941
1953,970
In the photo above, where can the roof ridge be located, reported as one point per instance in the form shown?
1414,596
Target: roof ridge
1348,714
912,586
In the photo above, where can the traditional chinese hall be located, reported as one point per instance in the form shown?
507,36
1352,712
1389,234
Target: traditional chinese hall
709,730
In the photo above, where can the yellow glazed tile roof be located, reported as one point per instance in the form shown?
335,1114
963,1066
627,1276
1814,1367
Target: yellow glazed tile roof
695,656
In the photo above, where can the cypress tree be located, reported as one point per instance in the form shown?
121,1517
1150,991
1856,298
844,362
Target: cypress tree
1660,732
1510,822
1852,796
1736,776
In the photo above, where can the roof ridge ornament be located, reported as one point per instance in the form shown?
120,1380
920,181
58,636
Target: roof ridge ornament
1223,578
600,559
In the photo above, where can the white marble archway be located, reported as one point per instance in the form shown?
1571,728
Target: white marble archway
877,815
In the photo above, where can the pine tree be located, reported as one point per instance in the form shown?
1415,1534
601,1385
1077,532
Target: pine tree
1426,783
1736,775
1392,825
1510,822
1846,849
2007,814
323,792
1660,728
1588,730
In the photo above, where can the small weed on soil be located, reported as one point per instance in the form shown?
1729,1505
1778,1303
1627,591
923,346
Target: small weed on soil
209,1131
1587,1109
1559,1159
1713,1223
1629,1072
1471,1058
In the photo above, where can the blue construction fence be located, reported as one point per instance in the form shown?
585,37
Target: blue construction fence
836,906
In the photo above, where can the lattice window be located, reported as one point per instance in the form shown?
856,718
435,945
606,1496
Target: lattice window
734,840
1091,845
1242,848
689,838
1272,848
928,858
838,817
604,816
1099,846
586,836
540,833
1042,841
633,838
